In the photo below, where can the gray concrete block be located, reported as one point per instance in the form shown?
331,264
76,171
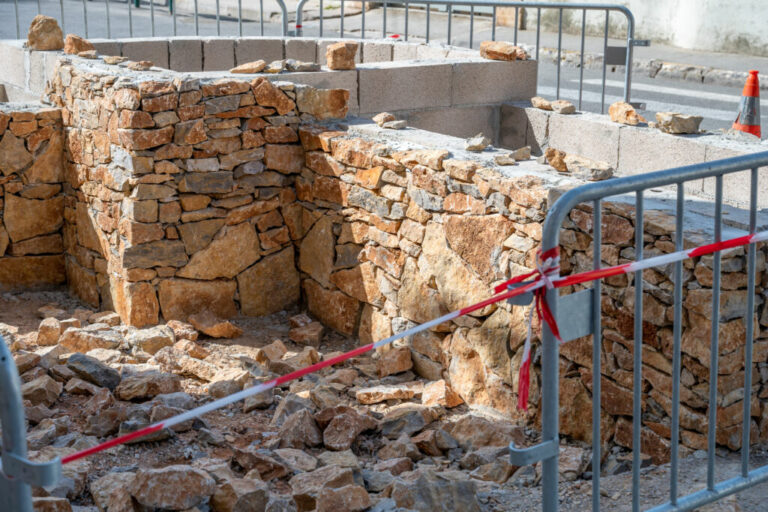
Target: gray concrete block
15,94
462,53
218,54
154,49
644,150
513,126
304,49
249,49
14,59
537,135
489,81
41,67
377,51
185,53
107,46
432,51
588,135
463,122
736,186
403,86
405,51
325,80
324,43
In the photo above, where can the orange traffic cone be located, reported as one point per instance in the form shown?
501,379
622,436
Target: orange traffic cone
748,119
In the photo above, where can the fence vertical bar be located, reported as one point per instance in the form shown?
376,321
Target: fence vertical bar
637,381
362,22
749,318
218,19
16,10
630,48
341,20
130,17
493,24
517,10
261,16
471,24
39,9
109,29
596,353
677,330
581,55
406,20
197,22
450,16
559,48
61,12
240,17
383,19
173,13
714,337
152,15
605,68
85,18
538,31
428,8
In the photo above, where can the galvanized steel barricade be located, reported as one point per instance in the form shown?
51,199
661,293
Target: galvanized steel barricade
612,55
132,7
16,472
578,314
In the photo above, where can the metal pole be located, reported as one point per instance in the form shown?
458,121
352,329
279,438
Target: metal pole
677,329
130,17
538,31
581,56
240,17
341,19
173,12
61,11
429,8
197,22
637,376
714,337
450,15
16,9
596,354
109,30
383,19
85,18
751,257
14,494
559,48
471,24
605,69
517,10
406,20
630,45
493,24
218,19
152,15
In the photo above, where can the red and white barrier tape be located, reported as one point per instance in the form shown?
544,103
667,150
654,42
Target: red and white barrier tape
543,278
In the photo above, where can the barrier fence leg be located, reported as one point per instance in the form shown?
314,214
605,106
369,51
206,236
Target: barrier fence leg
16,472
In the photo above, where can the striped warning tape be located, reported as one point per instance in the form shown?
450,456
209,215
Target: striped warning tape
525,287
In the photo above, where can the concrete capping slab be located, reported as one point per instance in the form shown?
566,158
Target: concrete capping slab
15,59
586,134
420,85
107,46
41,66
404,51
735,186
378,51
324,42
249,49
154,49
489,81
428,51
645,149
218,54
301,48
462,122
185,53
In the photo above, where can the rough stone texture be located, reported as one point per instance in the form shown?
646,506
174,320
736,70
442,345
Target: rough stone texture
501,50
45,34
341,55
174,487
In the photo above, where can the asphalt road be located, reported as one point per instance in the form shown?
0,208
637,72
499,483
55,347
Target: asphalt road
717,104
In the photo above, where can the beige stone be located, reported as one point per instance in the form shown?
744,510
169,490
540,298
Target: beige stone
440,393
180,298
268,95
173,487
674,122
334,309
323,103
74,44
341,55
45,34
250,67
563,107
501,50
13,154
394,361
270,285
317,254
208,323
48,167
234,251
541,103
624,113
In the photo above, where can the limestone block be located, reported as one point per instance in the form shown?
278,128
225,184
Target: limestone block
636,157
180,298
218,54
185,53
154,49
586,135
328,80
324,43
493,81
270,285
31,271
390,86
405,51
249,49
304,49
377,51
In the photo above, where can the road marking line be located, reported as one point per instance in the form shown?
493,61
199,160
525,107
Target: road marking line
636,86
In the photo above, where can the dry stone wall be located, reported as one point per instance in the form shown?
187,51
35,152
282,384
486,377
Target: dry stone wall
180,194
31,247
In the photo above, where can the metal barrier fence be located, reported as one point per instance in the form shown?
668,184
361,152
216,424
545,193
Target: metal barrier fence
168,10
581,312
612,55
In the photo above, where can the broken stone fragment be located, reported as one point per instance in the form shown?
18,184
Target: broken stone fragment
209,324
394,361
42,390
352,498
501,50
477,143
341,425
147,385
624,113
177,487
306,487
541,103
395,125
142,65
276,66
240,494
301,66
309,334
341,55
93,370
383,117
183,330
563,107
587,169
428,490
250,67
673,122
75,44
523,153
504,159
378,394
114,59
44,34
440,393
556,159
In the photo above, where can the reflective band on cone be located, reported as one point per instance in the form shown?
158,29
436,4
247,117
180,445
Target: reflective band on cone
748,119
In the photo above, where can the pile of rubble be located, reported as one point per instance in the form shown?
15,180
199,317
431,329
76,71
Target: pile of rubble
367,435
